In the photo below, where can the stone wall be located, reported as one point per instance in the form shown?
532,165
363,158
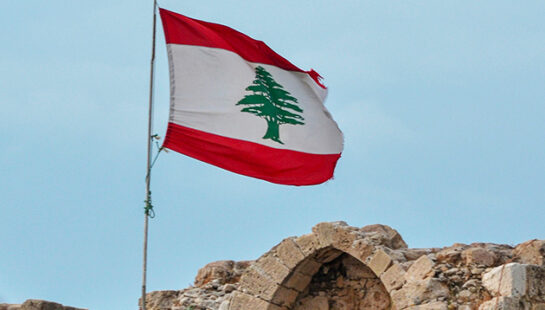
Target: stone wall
339,267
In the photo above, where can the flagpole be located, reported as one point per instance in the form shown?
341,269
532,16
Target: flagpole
148,207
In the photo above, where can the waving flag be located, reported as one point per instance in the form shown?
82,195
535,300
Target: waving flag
238,105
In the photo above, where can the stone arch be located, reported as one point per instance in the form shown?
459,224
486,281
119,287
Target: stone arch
280,276
342,282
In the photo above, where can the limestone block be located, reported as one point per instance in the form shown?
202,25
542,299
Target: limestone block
336,234
160,299
327,255
284,297
379,262
396,255
243,301
289,253
255,283
308,244
394,277
420,269
513,280
216,270
361,249
391,238
451,254
273,267
399,299
531,252
464,296
326,231
225,305
414,254
419,292
437,305
297,281
308,266
479,256
504,303
536,282
275,307
314,303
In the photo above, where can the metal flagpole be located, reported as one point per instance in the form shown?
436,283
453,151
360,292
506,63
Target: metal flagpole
148,207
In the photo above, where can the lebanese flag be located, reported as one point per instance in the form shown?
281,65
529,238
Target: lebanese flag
238,105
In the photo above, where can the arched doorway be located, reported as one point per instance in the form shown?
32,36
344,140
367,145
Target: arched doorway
345,283
336,267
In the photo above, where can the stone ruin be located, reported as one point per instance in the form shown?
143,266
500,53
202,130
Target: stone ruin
339,267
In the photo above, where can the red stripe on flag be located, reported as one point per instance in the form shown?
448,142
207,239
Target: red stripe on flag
252,159
180,29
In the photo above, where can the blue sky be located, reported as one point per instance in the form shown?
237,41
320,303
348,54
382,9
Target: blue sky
441,104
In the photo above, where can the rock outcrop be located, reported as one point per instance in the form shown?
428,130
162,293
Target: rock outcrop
339,267
35,304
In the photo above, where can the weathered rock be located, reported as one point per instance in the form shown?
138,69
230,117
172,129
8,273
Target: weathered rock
36,304
437,305
417,292
394,277
479,256
421,269
414,254
531,252
379,262
224,305
314,303
226,271
288,253
505,303
160,300
506,280
390,237
451,254
535,276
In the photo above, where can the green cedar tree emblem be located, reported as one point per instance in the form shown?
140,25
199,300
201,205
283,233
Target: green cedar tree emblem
269,100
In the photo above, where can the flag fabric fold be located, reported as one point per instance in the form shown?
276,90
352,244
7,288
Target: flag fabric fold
238,105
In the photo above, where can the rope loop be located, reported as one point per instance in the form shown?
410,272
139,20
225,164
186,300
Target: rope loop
148,208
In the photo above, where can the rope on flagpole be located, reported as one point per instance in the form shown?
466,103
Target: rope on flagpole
159,149
148,209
